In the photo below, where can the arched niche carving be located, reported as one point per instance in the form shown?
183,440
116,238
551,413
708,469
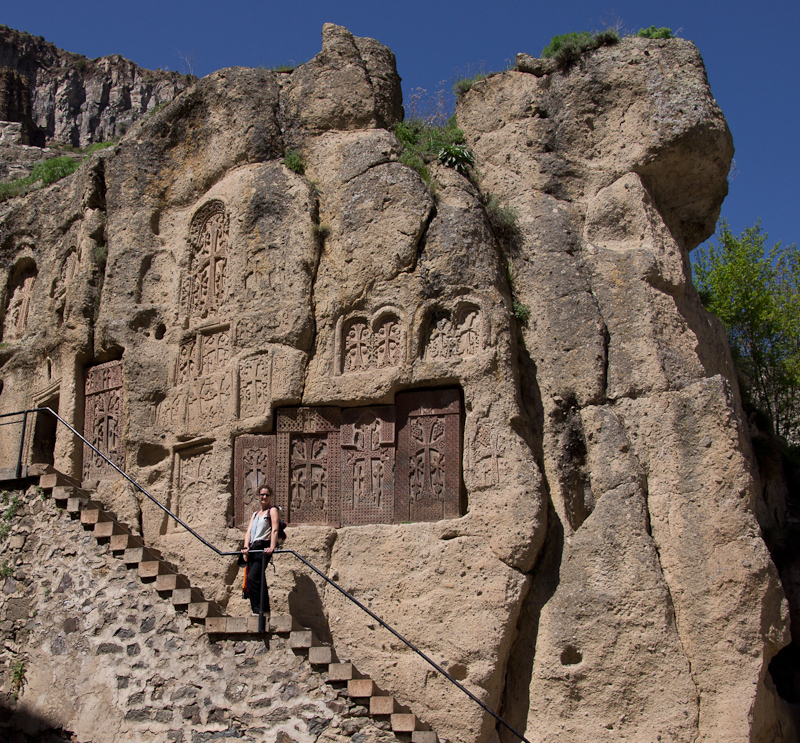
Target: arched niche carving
454,332
20,298
366,343
203,289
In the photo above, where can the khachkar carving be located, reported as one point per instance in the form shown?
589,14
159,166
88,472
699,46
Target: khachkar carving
428,456
308,464
193,478
204,379
341,467
203,290
257,377
367,481
366,344
19,304
455,335
254,467
103,419
485,455
207,353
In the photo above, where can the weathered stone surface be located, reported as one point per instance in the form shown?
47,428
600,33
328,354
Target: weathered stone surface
67,98
598,571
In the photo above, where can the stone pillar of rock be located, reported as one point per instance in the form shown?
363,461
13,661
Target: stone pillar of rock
662,608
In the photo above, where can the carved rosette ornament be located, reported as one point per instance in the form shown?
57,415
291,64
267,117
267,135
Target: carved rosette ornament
103,419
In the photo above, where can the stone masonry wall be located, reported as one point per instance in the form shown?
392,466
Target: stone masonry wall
107,659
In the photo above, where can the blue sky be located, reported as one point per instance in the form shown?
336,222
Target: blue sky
750,53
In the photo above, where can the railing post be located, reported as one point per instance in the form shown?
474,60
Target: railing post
21,445
262,623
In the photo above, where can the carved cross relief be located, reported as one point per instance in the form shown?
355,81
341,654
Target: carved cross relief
372,343
453,335
355,465
19,305
103,419
203,290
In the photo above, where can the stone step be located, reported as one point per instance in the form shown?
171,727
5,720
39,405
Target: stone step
65,492
134,555
232,625
171,581
51,480
91,515
321,655
362,688
186,596
302,639
424,736
203,609
154,568
341,672
403,722
124,542
383,705
285,623
76,502
106,529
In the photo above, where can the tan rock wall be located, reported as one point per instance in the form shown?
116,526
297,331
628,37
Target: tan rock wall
606,576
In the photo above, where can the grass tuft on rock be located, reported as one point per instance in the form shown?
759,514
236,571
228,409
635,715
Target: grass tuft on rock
293,160
567,49
422,143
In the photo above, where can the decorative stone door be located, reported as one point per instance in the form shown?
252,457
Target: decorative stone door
428,456
353,466
367,479
103,419
308,465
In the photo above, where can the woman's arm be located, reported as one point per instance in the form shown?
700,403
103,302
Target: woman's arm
247,535
274,520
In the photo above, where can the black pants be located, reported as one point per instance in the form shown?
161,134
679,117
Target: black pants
255,567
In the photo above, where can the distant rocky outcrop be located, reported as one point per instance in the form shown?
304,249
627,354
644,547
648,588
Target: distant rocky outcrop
65,98
524,447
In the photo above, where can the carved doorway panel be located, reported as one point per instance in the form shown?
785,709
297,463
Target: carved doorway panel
308,464
367,441
428,456
103,419
254,468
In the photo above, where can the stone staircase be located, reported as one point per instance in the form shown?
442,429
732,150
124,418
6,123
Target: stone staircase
151,567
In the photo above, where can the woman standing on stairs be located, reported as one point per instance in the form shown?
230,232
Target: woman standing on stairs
262,533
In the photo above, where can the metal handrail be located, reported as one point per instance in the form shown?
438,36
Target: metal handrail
302,559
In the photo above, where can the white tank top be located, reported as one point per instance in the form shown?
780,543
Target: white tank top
262,527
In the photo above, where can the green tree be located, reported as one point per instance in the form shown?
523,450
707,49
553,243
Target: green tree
755,292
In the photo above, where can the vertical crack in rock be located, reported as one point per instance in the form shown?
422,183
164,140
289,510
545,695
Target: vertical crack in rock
515,700
312,302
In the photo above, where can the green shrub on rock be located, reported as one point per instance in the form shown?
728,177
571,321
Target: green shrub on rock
567,49
655,33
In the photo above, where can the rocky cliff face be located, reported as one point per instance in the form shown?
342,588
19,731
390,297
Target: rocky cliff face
66,98
559,511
